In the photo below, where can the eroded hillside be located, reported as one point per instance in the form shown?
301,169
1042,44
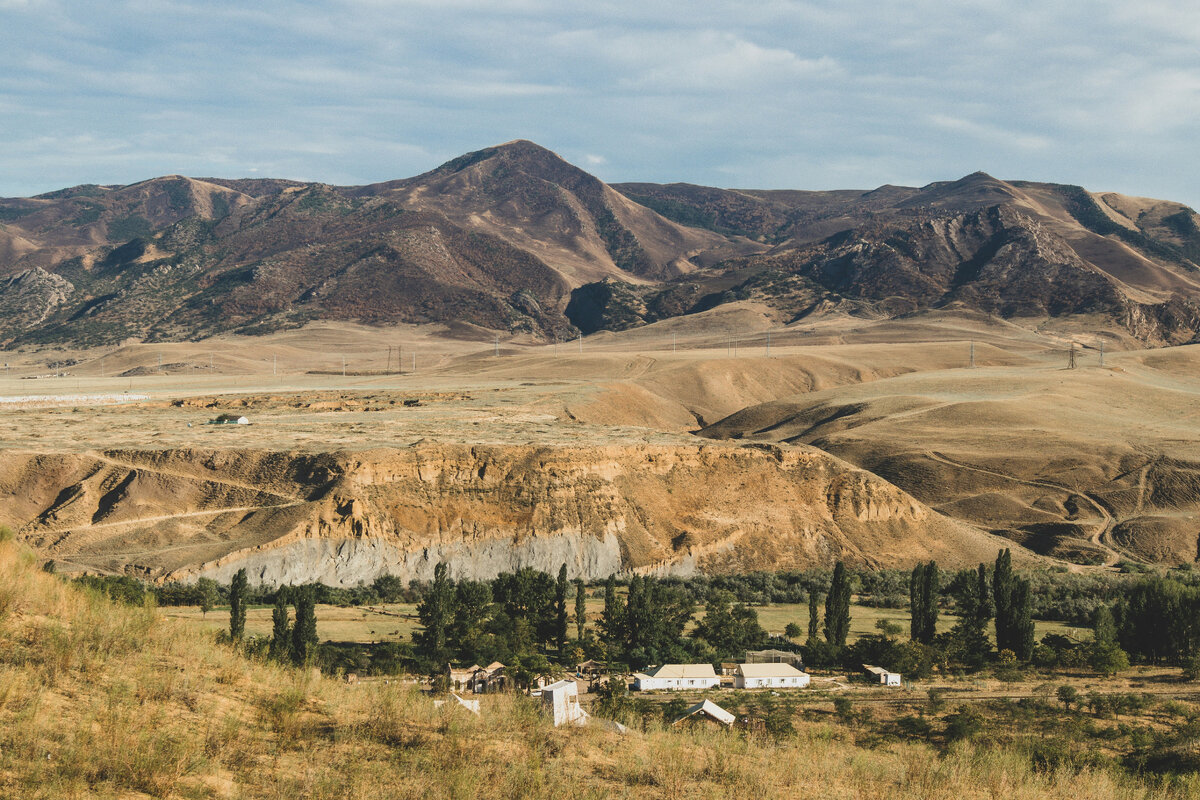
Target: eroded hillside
347,517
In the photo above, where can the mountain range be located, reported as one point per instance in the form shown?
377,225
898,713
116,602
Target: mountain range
513,238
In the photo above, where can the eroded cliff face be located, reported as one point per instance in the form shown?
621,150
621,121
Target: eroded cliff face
347,517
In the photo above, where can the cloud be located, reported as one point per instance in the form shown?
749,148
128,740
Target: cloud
776,94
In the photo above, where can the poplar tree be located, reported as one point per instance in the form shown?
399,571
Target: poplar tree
1022,620
580,609
237,605
435,612
281,629
612,620
837,607
1002,597
814,601
304,631
923,602
560,609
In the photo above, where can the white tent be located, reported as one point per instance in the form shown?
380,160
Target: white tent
710,710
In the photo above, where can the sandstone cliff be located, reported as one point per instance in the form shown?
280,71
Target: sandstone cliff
347,517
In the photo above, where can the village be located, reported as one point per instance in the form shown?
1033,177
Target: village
560,695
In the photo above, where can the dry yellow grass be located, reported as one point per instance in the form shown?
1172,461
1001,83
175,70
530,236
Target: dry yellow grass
105,701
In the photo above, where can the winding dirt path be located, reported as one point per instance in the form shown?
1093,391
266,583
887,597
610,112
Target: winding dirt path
1099,536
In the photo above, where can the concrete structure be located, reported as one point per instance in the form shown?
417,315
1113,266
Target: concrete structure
561,701
881,676
477,679
774,676
707,711
774,657
676,677
469,705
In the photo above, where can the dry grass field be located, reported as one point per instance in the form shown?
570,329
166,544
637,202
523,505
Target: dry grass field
118,702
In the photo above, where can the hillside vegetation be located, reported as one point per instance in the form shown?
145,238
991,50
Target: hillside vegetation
98,700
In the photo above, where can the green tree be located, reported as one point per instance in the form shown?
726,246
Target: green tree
792,630
560,612
1002,592
237,605
580,609
304,631
814,602
472,605
435,613
281,629
1022,630
968,641
208,594
1067,695
923,602
837,607
1104,654
730,629
612,619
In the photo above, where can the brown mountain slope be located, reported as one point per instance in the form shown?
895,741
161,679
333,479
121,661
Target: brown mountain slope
498,237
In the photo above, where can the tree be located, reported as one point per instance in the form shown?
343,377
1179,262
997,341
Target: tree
923,602
472,602
968,640
814,601
837,607
207,594
580,609
792,630
1002,591
237,605
304,631
1103,653
435,613
1067,695
730,629
612,619
1022,630
281,630
560,611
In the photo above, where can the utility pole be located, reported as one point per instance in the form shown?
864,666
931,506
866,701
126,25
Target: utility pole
1102,352
768,344
343,366
972,355
497,350
1071,357
274,364
581,341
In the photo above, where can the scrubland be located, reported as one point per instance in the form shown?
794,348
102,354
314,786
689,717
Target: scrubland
100,700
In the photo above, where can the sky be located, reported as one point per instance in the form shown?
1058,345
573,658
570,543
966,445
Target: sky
766,94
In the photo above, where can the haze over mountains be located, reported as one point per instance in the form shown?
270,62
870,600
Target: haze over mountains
515,239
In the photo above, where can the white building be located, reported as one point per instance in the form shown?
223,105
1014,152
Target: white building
561,701
775,676
882,676
677,676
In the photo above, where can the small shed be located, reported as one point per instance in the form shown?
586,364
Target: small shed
881,676
707,711
561,701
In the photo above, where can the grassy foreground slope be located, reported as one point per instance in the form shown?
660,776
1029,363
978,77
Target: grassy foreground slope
98,700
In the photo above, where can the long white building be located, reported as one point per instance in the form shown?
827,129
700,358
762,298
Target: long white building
775,676
677,676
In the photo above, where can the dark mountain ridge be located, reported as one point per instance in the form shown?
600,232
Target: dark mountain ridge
514,238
